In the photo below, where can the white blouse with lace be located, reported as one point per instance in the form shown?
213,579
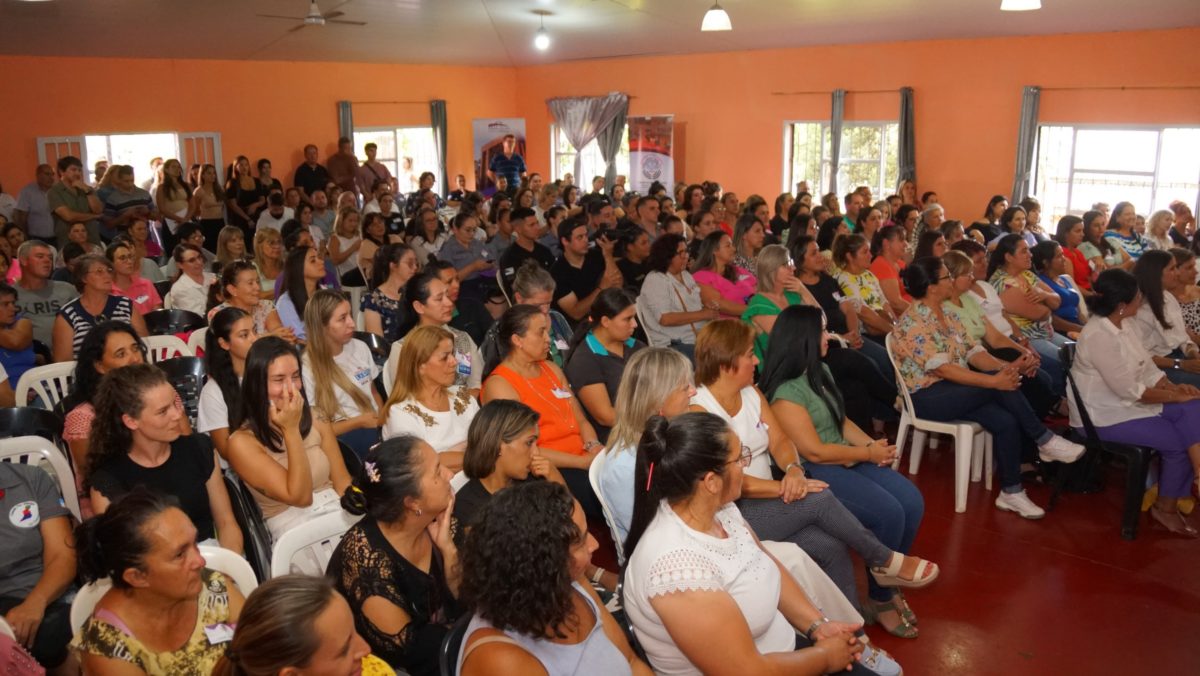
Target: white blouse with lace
673,557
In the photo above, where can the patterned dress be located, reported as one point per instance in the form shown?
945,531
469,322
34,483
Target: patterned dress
1030,328
923,344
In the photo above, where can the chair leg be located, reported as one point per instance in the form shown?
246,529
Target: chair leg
933,442
901,434
977,443
1135,487
963,450
918,448
988,465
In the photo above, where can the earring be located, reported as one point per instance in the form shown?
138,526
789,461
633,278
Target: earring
418,511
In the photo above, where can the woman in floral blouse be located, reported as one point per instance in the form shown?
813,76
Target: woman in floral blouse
852,256
952,377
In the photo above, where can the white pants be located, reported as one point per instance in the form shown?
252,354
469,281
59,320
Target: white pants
821,590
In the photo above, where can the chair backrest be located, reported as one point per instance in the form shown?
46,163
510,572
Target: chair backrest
389,368
163,288
42,452
308,548
51,383
378,346
170,322
503,290
594,472
195,341
256,538
452,645
458,481
26,421
1066,354
162,348
641,320
355,294
186,375
6,628
221,560
900,384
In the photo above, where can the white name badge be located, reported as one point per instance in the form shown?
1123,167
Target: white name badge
218,633
560,344
561,393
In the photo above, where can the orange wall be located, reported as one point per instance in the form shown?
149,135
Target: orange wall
730,124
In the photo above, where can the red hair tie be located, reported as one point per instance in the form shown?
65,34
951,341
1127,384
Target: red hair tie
649,476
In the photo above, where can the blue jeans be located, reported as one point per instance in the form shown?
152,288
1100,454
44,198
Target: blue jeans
1007,415
1051,363
885,501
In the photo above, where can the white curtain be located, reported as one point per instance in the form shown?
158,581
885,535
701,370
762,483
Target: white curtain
583,118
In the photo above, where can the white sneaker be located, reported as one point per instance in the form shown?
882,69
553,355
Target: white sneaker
1059,449
1019,503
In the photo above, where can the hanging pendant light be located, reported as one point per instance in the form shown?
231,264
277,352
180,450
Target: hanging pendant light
541,39
716,19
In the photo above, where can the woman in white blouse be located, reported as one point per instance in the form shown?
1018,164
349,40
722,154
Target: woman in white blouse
190,290
1130,400
425,402
670,299
696,571
1159,324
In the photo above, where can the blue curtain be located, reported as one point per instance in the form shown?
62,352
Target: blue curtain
907,160
345,120
835,136
1026,138
437,119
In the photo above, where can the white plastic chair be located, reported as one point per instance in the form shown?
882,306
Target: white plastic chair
458,481
221,560
162,348
195,342
641,320
308,548
6,628
389,367
356,294
41,452
594,471
51,383
971,443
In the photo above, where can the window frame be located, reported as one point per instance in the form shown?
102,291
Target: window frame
825,163
393,164
584,185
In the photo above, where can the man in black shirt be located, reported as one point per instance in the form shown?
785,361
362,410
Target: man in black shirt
600,216
581,273
633,250
526,229
310,176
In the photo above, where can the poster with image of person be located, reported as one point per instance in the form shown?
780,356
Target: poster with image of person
491,157
650,159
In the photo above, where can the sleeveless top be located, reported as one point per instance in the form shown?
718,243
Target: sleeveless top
747,424
117,308
106,635
318,465
551,398
595,654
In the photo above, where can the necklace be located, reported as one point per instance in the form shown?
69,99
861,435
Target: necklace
572,426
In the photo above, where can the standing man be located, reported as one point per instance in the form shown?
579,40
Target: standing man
508,164
32,213
372,170
125,203
151,183
71,201
343,166
38,297
310,176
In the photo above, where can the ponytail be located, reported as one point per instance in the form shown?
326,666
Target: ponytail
108,544
671,457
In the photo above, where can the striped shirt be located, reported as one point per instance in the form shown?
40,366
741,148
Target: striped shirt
510,167
118,308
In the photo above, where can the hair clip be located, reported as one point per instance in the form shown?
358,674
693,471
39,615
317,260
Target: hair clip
649,477
372,472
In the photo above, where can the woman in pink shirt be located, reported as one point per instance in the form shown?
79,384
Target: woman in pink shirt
126,280
721,281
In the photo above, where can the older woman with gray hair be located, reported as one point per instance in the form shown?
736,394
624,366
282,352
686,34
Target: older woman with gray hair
932,218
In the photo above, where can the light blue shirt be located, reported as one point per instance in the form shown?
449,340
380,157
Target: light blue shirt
616,487
289,316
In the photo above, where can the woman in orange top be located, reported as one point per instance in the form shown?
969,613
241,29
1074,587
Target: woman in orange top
565,437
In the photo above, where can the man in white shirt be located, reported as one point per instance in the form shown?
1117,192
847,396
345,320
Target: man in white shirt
276,214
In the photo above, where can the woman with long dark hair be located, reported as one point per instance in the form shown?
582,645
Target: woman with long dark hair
952,377
689,472
531,542
671,300
398,566
598,355
427,303
1050,264
1159,323
1069,236
1120,231
383,308
208,204
989,226
1028,302
137,440
888,247
226,345
1097,248
289,459
749,237
302,275
239,285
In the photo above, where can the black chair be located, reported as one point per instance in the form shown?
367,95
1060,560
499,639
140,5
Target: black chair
354,464
256,538
622,619
186,375
170,322
163,288
380,348
452,645
42,350
27,421
1136,458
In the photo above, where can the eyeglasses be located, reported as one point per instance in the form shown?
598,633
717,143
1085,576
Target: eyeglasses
744,458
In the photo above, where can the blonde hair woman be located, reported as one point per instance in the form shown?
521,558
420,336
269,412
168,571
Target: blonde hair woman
425,401
268,259
339,371
231,245
1157,229
344,245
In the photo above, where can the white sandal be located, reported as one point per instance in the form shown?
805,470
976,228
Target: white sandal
889,576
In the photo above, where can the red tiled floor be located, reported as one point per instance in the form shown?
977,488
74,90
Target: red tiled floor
1063,595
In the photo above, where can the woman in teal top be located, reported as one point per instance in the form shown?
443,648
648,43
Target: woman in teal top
807,403
778,288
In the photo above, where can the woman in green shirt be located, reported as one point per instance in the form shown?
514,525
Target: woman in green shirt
778,288
809,407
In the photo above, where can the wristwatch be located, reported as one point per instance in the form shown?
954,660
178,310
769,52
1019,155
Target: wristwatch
815,626
1178,363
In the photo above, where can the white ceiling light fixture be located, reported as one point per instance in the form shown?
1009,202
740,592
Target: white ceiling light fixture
716,19
541,39
1020,5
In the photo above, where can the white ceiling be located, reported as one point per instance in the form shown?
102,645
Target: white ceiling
500,32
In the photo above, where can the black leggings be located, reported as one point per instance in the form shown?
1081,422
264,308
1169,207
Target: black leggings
864,389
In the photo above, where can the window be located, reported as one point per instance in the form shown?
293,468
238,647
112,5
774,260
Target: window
1078,166
136,150
396,143
869,156
562,157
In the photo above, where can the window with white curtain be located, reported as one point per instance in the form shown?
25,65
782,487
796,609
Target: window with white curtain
562,158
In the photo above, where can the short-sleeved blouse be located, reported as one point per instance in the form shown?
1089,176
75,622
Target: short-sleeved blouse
761,306
590,364
391,313
863,288
1030,328
1069,308
443,430
259,315
106,635
1133,245
663,294
734,292
970,315
883,269
1081,271
799,391
922,344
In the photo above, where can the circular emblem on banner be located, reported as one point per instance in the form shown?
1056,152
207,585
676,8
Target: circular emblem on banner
652,167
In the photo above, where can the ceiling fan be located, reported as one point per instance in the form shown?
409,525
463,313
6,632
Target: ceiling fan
315,18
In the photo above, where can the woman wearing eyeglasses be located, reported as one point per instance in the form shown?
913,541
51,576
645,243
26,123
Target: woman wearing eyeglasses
670,298
96,304
126,280
190,290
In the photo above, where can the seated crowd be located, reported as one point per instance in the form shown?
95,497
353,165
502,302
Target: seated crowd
454,378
